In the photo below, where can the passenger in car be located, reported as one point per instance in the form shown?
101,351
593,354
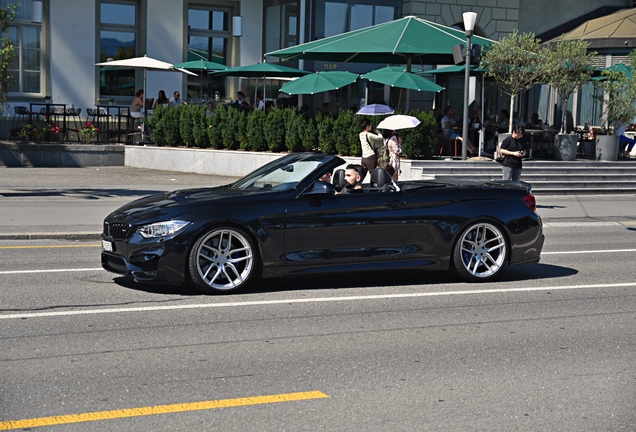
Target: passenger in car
386,166
354,175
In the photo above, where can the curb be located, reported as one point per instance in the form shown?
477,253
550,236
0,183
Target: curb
52,236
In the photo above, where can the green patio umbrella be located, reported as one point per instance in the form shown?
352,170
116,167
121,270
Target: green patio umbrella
618,67
201,65
401,78
403,41
319,82
263,70
455,69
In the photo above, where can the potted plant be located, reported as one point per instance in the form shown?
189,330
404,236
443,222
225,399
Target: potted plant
618,99
569,66
88,132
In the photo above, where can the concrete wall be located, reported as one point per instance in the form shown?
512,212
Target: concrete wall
218,162
60,155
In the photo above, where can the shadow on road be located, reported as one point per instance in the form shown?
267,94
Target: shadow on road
363,280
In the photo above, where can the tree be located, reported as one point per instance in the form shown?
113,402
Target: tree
619,96
568,67
7,49
516,63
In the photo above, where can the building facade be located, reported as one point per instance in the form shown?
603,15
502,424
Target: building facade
56,52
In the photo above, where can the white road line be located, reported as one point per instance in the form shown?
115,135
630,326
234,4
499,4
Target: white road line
588,252
311,300
49,271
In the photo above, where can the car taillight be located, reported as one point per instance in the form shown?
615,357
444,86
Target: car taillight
530,202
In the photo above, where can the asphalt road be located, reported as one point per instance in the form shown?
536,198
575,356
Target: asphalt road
550,346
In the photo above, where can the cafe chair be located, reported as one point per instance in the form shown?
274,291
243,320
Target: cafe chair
100,119
21,115
73,114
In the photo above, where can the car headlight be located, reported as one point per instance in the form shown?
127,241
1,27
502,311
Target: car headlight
162,229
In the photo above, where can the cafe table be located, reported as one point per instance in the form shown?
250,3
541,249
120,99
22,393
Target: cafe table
50,111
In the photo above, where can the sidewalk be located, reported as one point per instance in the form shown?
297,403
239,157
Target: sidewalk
71,203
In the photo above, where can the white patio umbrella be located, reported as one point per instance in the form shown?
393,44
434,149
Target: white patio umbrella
147,64
398,121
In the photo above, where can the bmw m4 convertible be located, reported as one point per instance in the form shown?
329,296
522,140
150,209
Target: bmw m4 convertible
281,220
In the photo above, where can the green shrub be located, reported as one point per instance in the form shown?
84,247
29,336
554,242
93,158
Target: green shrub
230,129
275,129
324,124
200,126
419,142
340,133
309,135
156,124
255,132
186,124
171,120
215,126
295,126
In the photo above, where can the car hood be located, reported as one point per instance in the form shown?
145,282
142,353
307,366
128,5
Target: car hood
170,205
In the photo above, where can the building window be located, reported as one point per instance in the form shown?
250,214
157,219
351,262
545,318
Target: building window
281,22
344,16
118,39
208,39
25,68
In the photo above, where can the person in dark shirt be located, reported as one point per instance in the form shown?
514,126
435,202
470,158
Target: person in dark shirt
514,149
354,175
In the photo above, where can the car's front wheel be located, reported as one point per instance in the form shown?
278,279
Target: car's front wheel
480,252
222,260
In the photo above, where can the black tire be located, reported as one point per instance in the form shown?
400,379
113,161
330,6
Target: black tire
222,260
480,252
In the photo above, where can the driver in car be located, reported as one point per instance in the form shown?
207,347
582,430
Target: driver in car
354,175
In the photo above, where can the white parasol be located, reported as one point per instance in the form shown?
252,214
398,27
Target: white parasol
398,121
146,63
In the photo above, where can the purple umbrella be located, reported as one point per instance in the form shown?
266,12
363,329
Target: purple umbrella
375,110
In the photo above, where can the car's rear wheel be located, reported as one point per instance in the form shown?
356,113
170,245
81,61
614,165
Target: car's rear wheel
480,252
222,260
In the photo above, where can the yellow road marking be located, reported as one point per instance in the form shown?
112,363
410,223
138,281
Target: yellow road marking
160,409
52,247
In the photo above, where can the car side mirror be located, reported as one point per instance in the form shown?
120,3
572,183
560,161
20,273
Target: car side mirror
321,188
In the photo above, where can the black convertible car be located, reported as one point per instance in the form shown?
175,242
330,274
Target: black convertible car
281,220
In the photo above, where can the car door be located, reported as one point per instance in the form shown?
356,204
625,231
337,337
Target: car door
347,228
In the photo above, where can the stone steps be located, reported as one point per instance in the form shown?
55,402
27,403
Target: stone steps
546,177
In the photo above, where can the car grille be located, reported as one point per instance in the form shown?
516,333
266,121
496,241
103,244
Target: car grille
149,268
118,231
116,265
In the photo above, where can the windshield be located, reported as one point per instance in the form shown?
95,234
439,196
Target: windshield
282,174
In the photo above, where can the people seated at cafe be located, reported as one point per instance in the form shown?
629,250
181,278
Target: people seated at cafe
448,128
479,119
137,104
176,100
162,100
503,119
517,120
210,110
535,122
260,103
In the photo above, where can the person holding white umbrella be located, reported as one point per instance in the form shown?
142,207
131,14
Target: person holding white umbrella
394,143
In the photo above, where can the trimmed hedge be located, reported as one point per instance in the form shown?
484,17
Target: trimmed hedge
279,130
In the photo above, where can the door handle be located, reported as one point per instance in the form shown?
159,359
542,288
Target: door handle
395,203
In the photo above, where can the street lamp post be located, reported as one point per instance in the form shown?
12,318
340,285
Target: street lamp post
469,26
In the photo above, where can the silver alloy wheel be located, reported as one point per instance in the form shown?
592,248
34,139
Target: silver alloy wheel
224,259
482,249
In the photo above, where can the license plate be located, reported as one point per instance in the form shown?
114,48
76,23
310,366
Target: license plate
107,246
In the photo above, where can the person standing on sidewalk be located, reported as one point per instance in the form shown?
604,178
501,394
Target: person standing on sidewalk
514,149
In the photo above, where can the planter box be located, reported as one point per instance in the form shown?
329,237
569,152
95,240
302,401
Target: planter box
607,147
565,147
60,155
